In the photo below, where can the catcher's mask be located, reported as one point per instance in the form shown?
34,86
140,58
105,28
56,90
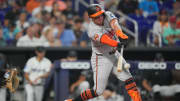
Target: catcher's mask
95,10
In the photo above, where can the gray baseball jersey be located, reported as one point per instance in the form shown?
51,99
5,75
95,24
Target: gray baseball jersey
103,62
95,33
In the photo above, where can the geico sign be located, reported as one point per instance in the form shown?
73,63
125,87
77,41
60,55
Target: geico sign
152,65
75,65
177,66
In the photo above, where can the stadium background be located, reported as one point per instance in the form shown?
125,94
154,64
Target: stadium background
145,51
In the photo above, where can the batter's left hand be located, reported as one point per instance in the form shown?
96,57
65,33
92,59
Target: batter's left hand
123,42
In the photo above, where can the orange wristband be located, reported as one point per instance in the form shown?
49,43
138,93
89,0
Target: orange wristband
121,34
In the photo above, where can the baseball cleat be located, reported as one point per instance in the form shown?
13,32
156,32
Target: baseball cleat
68,100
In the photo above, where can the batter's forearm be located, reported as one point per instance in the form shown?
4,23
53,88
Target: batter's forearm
116,27
105,39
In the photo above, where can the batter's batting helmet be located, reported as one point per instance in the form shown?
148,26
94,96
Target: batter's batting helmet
94,10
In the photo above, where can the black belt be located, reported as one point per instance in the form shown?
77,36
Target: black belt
110,53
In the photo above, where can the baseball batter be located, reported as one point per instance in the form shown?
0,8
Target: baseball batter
104,31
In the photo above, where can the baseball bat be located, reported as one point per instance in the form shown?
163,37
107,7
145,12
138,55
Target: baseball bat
120,61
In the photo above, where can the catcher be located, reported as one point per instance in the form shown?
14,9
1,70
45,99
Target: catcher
9,79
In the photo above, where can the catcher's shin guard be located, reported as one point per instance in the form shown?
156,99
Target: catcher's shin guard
85,95
132,90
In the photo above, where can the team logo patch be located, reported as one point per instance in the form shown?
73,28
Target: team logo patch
96,36
98,8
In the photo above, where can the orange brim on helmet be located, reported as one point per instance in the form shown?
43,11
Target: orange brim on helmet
97,14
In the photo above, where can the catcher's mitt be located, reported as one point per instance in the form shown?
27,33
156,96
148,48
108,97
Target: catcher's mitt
10,80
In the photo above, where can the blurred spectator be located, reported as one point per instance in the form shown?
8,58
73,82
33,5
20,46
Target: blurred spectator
160,82
27,40
46,17
176,7
69,11
71,56
36,71
41,7
55,12
128,6
80,35
13,14
149,7
32,4
11,34
109,95
70,21
2,41
66,36
77,87
171,34
167,5
37,34
36,16
60,4
51,41
110,5
6,23
178,21
21,23
160,25
86,21
52,25
143,26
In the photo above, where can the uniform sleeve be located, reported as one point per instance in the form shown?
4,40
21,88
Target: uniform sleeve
101,36
48,65
95,34
28,66
110,16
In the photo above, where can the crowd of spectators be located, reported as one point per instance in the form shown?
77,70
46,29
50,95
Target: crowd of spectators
156,16
30,23
55,23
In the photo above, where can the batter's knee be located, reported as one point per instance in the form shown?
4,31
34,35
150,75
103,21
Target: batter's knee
99,92
124,75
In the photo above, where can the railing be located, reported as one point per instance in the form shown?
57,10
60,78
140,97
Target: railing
148,39
134,34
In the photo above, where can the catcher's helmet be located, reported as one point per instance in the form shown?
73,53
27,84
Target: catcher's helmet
94,10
